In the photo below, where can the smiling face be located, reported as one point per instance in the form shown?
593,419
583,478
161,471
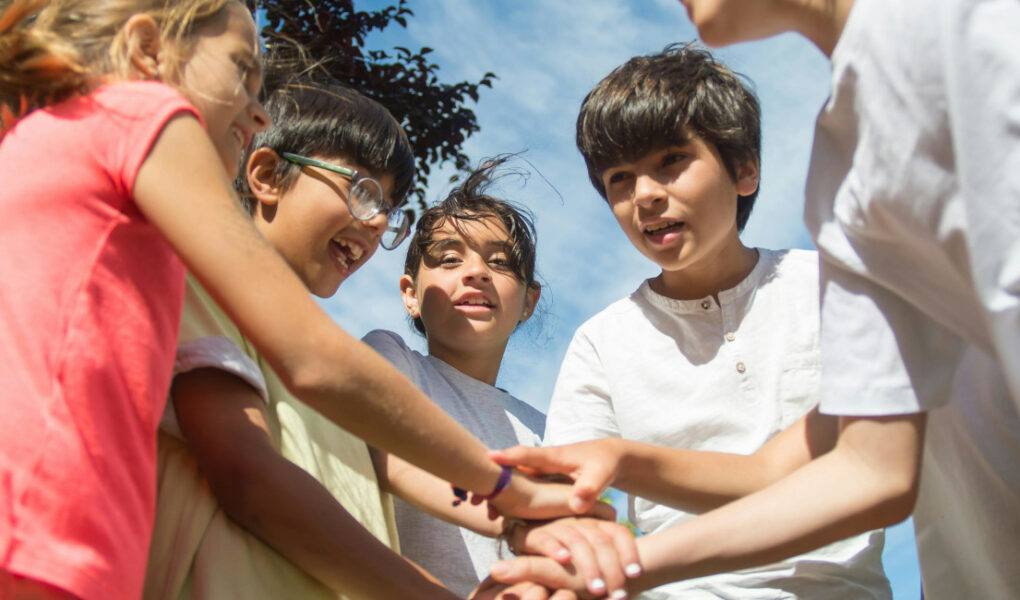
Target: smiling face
678,207
221,75
309,222
466,294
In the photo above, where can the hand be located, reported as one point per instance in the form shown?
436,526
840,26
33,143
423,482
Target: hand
490,589
542,571
592,465
603,552
530,498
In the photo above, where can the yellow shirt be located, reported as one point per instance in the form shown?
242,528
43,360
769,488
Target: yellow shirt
197,551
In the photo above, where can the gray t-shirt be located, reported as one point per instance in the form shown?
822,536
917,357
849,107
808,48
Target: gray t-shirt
460,558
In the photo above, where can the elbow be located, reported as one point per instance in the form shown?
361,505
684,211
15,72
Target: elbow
899,499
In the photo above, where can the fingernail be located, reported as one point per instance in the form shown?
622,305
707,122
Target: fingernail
632,570
577,505
597,585
563,554
499,568
618,594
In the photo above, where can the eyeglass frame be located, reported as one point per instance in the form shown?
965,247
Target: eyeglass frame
382,207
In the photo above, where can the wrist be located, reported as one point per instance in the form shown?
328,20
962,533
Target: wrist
502,483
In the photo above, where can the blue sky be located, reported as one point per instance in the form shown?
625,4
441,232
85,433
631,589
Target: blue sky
548,54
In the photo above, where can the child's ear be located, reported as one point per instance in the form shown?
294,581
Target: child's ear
260,171
747,178
409,294
531,300
142,43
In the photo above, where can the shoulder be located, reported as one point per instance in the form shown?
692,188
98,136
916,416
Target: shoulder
529,417
616,315
793,265
385,341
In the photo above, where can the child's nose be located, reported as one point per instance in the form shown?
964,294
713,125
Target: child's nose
259,117
476,269
648,191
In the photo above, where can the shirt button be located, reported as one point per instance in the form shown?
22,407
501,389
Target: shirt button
730,337
706,304
740,367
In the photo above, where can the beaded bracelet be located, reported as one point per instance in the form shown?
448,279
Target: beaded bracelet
461,495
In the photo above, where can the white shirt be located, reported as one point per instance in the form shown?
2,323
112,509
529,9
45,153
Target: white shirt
724,377
460,558
914,203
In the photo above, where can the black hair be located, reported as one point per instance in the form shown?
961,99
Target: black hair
470,201
651,102
331,120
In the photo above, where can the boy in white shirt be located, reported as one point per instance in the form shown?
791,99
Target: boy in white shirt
719,352
913,199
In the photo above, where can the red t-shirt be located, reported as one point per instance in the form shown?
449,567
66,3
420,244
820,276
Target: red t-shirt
89,311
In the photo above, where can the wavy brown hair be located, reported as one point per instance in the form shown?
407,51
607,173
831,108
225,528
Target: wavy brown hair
52,50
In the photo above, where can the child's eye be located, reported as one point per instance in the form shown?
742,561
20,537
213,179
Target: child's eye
449,259
672,157
500,261
617,177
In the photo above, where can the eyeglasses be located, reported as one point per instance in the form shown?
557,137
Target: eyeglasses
365,200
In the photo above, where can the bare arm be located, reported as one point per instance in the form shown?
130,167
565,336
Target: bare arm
279,502
700,481
184,191
691,480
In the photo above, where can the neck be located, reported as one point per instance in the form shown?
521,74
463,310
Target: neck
709,277
480,364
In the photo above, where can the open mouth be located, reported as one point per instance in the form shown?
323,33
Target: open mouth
346,253
475,302
660,231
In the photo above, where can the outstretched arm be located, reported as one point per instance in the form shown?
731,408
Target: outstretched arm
279,502
202,219
690,480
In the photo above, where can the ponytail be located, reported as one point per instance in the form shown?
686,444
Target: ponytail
37,67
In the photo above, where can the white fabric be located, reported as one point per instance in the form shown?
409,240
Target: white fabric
722,377
458,557
219,353
914,202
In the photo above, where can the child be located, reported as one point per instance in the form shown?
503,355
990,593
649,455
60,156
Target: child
913,202
336,531
91,305
469,281
719,352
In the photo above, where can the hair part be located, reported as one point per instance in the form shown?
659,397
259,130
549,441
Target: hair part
53,50
470,201
652,102
331,121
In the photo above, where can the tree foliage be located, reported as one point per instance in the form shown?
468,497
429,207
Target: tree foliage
332,34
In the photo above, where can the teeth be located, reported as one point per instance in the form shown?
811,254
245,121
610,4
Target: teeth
353,250
662,226
475,301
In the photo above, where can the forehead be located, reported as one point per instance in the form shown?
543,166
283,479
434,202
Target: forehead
234,24
473,231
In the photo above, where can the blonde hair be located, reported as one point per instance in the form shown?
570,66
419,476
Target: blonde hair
52,50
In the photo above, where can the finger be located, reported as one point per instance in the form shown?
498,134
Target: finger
537,569
626,548
607,559
563,595
602,511
540,541
593,479
525,457
534,592
582,541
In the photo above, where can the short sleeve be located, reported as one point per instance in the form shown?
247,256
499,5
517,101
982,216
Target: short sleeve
983,93
880,355
581,408
137,112
208,339
392,347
